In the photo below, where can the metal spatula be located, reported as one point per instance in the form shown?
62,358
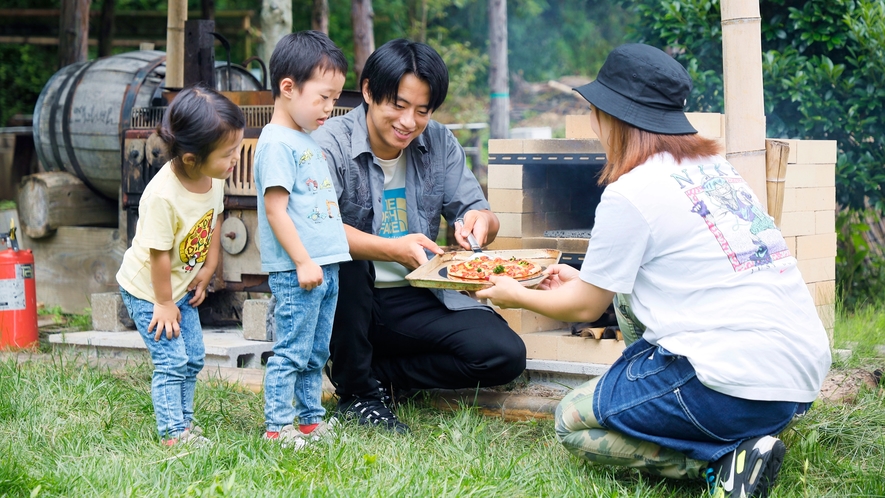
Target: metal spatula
474,244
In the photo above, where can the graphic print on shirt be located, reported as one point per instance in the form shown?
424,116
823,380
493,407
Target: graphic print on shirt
195,246
394,222
724,201
319,211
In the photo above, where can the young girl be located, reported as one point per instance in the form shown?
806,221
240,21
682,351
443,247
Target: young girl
164,275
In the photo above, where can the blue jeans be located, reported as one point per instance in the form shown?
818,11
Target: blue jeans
303,326
654,395
176,363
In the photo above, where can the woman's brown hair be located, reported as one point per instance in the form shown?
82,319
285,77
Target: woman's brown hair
629,147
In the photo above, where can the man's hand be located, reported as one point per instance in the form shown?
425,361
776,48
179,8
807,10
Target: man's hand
310,275
504,294
166,317
409,250
199,285
476,222
558,275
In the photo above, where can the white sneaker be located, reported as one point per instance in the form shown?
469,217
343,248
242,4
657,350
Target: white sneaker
288,437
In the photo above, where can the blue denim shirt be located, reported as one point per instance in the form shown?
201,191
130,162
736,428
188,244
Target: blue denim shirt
437,182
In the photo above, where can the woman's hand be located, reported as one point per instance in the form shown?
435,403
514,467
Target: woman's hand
557,275
166,317
505,293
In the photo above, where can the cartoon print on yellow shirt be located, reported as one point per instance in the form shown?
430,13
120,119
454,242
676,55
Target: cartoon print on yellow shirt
195,246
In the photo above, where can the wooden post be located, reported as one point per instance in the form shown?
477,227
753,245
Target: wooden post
499,109
362,18
776,155
744,107
175,43
319,19
207,8
276,22
73,33
55,199
106,31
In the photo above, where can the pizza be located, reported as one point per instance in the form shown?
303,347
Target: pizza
483,267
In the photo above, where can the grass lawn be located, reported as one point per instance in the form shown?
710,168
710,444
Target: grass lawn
69,431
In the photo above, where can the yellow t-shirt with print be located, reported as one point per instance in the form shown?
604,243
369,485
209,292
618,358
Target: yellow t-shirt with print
170,218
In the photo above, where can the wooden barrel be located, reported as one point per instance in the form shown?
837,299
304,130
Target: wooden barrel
84,108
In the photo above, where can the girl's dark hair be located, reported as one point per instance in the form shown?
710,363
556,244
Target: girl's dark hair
298,55
196,121
386,67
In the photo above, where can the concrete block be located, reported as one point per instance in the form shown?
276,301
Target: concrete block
505,176
825,221
524,321
791,245
255,320
578,126
504,200
538,243
513,224
794,146
810,175
824,292
818,270
816,246
798,223
577,246
589,350
540,347
224,347
708,124
809,199
505,146
109,314
816,152
505,243
827,314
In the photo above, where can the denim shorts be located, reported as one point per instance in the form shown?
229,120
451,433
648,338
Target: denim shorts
654,395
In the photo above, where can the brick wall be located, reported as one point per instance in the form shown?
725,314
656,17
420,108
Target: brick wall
808,223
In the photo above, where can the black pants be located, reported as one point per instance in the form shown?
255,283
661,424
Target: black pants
406,337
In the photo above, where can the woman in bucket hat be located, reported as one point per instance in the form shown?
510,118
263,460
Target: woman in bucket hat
724,345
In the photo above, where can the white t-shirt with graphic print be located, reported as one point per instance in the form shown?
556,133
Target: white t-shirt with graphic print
395,222
711,277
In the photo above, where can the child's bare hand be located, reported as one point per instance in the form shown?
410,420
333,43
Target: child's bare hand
310,275
199,285
166,318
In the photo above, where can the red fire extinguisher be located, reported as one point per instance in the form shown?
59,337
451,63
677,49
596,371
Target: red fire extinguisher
18,295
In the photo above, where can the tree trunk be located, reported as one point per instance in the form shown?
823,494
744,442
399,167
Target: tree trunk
319,19
73,33
175,43
54,199
106,31
276,22
499,109
362,18
208,9
742,78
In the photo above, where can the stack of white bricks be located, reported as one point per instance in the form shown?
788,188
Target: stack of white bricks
808,225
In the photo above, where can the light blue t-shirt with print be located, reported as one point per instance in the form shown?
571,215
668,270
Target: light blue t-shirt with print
394,221
292,160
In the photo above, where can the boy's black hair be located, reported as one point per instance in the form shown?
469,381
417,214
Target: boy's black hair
386,67
298,55
196,121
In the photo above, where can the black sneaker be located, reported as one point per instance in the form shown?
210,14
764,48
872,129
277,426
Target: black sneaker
748,471
369,411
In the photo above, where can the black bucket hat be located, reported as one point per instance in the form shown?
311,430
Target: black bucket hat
643,86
